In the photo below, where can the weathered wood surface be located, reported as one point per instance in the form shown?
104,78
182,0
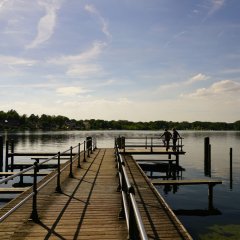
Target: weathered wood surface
87,209
89,206
159,220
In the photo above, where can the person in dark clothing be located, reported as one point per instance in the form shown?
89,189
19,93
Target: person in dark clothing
175,137
167,136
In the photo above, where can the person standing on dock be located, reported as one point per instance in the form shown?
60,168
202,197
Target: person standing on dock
175,137
167,136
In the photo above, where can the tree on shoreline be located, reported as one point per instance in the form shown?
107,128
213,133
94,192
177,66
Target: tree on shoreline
13,121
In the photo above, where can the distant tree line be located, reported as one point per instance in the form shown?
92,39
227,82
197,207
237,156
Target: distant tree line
12,120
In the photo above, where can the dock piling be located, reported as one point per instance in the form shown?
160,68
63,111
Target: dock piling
231,173
207,157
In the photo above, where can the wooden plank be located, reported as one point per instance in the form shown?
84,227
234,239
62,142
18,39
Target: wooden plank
186,182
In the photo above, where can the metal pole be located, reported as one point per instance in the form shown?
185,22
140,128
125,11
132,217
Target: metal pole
151,144
12,156
6,156
34,216
58,188
91,141
79,151
84,151
1,153
71,173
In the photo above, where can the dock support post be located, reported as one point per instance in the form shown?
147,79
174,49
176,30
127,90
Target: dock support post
71,173
34,216
21,178
207,157
231,178
210,196
1,153
79,151
6,156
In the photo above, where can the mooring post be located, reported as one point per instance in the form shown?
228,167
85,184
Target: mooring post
34,216
1,153
207,156
71,173
79,151
58,188
209,160
231,177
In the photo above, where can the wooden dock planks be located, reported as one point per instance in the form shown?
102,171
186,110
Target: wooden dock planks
159,220
87,209
89,206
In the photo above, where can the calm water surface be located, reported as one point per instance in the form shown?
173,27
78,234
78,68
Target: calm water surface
188,198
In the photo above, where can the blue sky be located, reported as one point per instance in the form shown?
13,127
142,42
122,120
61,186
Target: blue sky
138,60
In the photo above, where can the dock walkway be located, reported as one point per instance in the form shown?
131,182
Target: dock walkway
89,205
158,219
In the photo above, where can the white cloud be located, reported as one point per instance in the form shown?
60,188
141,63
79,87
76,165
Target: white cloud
224,88
16,61
91,8
88,55
70,91
47,23
84,70
197,78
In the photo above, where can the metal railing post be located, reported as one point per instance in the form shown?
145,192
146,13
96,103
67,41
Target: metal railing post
84,151
151,144
79,151
34,215
58,188
91,145
71,173
88,148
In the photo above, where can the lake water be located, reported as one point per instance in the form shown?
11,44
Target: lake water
225,225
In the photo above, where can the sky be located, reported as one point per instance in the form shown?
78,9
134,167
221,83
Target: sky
136,60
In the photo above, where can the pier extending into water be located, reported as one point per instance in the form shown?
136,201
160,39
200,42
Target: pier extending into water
94,194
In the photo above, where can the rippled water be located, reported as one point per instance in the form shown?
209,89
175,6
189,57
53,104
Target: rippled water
226,198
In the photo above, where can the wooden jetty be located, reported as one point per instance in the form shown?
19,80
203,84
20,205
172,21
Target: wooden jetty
79,200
